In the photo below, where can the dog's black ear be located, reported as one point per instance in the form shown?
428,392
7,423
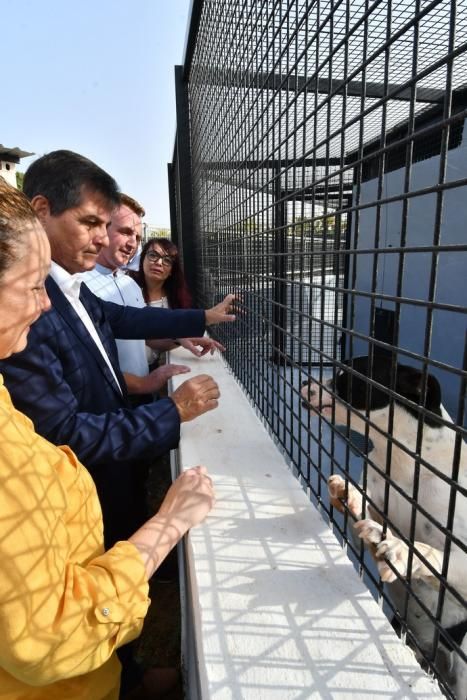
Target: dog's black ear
410,384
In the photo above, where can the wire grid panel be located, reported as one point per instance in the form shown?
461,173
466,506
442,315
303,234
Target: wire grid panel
329,172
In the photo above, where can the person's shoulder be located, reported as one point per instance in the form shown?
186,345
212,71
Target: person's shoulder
133,296
92,275
97,282
127,279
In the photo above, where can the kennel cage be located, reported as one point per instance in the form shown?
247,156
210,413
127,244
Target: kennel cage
320,172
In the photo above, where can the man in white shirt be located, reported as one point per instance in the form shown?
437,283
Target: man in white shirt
109,282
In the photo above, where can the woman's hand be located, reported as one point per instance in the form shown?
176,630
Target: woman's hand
186,504
159,377
190,498
206,344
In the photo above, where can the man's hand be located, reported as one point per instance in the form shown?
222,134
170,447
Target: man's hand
195,397
206,345
221,312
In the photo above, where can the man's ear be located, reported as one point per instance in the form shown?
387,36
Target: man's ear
41,206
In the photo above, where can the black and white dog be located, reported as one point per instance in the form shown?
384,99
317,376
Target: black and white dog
348,398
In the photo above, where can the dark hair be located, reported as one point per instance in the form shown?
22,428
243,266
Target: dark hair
60,176
175,286
16,217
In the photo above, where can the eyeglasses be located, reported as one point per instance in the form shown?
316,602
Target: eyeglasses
166,260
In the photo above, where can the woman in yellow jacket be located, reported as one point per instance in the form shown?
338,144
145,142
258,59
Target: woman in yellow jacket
65,604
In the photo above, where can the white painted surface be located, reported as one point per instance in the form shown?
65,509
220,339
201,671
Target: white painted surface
8,172
282,614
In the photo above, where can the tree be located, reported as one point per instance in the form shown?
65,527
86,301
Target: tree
19,180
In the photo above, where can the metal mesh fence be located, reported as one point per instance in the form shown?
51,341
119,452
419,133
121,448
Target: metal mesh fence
322,150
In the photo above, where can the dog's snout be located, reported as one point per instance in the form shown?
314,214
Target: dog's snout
307,393
316,396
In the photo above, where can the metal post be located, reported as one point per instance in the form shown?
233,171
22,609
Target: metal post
172,205
279,267
185,230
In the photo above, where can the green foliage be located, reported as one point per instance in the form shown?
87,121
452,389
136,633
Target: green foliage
19,180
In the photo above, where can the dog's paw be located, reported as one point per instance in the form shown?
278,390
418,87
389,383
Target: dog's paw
386,549
393,551
341,495
336,486
392,554
369,531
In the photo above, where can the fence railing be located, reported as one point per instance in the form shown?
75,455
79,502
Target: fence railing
320,171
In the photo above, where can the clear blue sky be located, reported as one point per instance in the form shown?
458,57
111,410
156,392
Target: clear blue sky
96,77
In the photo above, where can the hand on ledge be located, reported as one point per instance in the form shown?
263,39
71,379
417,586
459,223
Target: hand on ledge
201,346
155,380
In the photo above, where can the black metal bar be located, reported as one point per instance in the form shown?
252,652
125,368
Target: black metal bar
279,273
270,164
185,234
324,86
194,15
172,204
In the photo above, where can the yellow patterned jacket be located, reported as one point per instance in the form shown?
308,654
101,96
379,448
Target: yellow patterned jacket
65,605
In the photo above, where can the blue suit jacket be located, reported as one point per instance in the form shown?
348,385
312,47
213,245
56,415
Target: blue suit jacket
62,382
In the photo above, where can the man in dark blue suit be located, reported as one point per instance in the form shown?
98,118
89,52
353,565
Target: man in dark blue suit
67,380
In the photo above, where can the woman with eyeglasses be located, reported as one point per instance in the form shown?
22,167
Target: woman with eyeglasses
163,283
161,275
66,604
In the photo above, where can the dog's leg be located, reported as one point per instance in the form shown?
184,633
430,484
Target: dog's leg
393,551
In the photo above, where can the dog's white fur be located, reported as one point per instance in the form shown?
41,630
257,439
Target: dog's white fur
433,495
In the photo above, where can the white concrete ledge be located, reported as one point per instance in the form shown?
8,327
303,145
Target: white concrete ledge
278,610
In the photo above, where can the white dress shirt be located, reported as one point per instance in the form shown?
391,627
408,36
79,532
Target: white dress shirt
121,289
151,354
70,286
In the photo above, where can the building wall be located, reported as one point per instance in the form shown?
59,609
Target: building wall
448,329
8,172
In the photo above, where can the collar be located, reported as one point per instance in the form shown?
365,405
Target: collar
118,272
105,270
69,284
